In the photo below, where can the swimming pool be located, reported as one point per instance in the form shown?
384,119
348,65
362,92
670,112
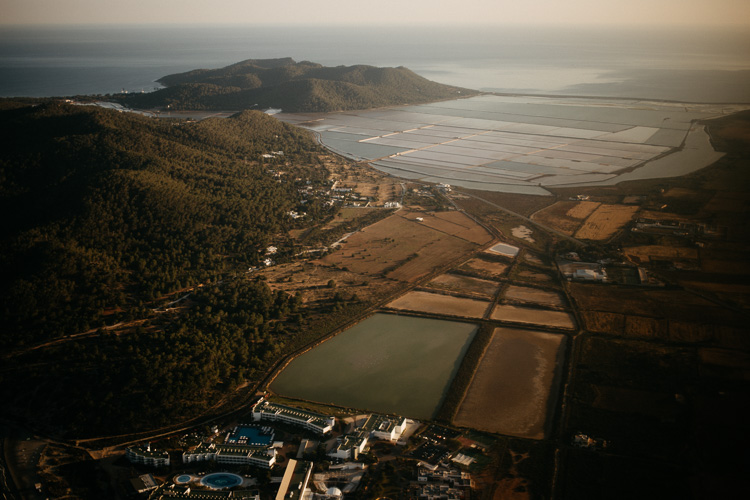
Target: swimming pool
185,478
221,480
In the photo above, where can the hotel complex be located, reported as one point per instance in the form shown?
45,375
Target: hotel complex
265,410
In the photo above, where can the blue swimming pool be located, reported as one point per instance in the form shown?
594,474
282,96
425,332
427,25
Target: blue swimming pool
252,435
221,480
185,478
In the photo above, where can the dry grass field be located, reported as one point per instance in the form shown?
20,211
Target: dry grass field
435,303
645,253
536,295
530,275
465,284
490,269
401,248
531,316
519,370
606,221
451,222
566,216
311,281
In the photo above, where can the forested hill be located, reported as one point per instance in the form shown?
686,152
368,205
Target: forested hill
293,87
105,211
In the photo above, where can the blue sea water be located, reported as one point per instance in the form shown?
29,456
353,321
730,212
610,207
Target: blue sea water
678,64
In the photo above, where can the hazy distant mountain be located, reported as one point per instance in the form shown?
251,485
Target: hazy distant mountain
293,86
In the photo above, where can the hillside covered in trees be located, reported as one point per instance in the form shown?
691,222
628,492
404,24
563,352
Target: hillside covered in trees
293,87
110,213
112,210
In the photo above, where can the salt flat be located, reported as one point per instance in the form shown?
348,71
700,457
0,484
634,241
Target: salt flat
521,144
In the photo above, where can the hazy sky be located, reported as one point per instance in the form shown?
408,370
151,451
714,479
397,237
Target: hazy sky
589,12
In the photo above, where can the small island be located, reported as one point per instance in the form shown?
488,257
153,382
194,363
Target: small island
292,86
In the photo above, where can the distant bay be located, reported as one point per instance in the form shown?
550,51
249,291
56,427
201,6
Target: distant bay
676,64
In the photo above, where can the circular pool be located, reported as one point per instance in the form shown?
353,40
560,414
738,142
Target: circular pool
185,478
221,480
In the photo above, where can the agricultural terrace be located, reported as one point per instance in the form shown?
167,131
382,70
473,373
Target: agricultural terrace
521,370
434,303
403,248
532,316
605,221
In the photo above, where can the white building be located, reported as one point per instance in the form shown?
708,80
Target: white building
265,410
145,455
350,446
383,427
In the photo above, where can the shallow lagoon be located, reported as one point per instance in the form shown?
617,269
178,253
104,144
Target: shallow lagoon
387,363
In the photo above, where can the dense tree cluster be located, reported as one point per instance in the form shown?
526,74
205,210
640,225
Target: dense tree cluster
294,87
113,210
230,334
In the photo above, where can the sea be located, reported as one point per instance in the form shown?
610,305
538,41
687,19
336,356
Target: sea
680,64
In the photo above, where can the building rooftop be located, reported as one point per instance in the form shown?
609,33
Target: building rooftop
297,413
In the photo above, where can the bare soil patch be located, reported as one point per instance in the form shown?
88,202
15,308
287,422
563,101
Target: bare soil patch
511,388
533,316
440,304
529,294
606,221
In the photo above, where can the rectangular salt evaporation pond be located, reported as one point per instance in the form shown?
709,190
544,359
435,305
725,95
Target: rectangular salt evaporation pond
516,384
387,363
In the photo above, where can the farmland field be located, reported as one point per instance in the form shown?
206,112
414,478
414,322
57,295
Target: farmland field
606,221
542,317
566,216
455,282
387,363
519,370
491,269
440,304
401,248
529,294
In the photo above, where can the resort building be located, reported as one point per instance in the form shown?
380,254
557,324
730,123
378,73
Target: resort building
179,491
232,454
294,483
384,427
203,453
146,456
265,410
350,446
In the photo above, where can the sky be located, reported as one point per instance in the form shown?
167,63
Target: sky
373,12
